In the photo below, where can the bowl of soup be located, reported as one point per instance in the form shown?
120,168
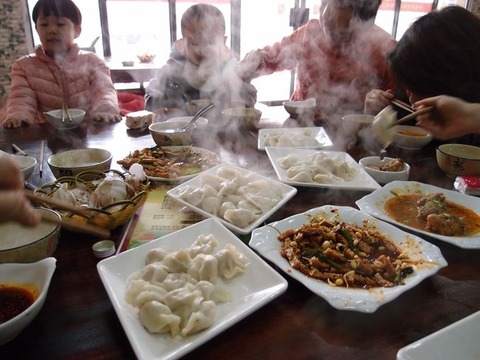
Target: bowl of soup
411,137
59,119
458,159
23,290
73,162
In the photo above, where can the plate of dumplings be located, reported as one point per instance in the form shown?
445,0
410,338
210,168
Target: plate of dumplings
177,292
240,199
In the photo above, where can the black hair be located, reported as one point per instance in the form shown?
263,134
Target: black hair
364,10
60,8
439,54
200,12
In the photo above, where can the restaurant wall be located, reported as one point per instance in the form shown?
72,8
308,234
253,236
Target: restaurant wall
15,38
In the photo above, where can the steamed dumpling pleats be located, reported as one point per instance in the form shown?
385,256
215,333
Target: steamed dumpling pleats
204,244
183,302
149,293
178,261
239,217
175,281
154,273
155,255
212,292
158,318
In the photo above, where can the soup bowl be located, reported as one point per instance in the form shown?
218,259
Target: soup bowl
458,159
22,244
171,133
73,162
242,117
33,280
298,108
385,170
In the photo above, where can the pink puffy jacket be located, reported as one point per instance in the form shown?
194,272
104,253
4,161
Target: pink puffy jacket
40,84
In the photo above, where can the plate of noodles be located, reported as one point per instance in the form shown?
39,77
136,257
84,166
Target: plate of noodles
338,267
171,163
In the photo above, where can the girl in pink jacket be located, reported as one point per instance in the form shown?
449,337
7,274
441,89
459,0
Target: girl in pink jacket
58,71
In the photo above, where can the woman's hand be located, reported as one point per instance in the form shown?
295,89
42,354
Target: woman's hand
376,100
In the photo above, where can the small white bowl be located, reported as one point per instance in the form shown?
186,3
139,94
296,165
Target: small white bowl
35,278
54,118
380,176
26,164
411,137
298,108
170,133
73,162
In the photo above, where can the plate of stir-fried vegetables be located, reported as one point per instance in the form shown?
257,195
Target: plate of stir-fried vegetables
349,258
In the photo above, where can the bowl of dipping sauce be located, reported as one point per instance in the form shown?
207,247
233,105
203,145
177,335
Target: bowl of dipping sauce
411,137
171,133
23,289
385,170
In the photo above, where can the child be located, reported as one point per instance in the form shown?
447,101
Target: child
59,72
201,66
338,58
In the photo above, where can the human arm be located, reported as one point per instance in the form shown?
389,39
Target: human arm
451,118
13,203
22,102
104,96
376,100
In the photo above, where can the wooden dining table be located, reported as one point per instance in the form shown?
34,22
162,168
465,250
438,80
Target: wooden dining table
78,320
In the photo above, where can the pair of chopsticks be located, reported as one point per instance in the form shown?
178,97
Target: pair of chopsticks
18,150
42,156
413,113
68,223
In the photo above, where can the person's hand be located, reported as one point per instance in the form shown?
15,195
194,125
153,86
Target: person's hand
107,117
251,65
12,123
13,203
377,100
452,117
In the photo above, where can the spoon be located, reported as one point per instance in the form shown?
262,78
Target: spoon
198,114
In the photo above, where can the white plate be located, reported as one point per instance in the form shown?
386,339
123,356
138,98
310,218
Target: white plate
374,204
361,181
287,191
456,341
317,133
249,292
265,241
204,152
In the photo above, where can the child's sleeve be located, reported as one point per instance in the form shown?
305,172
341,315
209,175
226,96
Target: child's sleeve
104,96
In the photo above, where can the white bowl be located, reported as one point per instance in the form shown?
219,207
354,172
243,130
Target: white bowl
54,118
381,176
26,164
298,108
242,118
33,277
411,137
73,162
170,133
20,244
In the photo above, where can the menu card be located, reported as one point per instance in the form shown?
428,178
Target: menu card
158,216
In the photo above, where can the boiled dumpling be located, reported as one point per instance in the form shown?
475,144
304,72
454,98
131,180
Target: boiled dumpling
201,319
224,207
205,244
155,255
177,280
154,273
239,217
158,318
65,195
204,267
211,205
212,292
110,190
302,176
183,302
288,161
148,293
177,262
231,262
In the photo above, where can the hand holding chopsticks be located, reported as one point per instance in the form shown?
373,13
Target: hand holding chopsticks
68,223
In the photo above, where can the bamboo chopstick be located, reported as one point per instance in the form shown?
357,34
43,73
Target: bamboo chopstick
42,155
414,114
402,105
75,226
18,150
60,205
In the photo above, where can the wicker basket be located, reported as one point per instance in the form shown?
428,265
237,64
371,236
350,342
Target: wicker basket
109,217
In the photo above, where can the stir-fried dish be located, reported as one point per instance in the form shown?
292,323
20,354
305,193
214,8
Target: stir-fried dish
168,162
344,254
433,213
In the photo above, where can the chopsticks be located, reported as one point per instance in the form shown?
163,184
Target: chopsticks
60,205
42,155
414,114
18,150
402,105
68,224
74,226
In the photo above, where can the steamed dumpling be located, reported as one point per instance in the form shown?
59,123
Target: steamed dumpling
201,319
204,267
231,262
158,318
239,217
